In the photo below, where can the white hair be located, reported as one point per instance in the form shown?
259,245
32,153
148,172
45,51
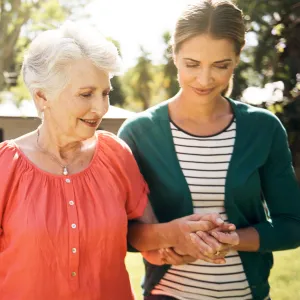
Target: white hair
51,53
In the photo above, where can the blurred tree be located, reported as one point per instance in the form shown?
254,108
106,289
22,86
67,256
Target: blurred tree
19,23
275,24
139,80
170,82
117,96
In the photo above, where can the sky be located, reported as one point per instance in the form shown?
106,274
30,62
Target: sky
138,22
135,22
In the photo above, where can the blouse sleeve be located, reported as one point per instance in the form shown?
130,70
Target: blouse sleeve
129,176
8,161
137,188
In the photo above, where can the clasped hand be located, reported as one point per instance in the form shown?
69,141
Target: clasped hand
199,236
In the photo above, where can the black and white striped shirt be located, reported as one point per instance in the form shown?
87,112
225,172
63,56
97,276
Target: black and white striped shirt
204,162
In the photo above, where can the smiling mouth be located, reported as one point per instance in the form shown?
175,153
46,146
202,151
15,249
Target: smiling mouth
203,91
91,123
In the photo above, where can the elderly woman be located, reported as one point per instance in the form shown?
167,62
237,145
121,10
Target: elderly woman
202,152
67,191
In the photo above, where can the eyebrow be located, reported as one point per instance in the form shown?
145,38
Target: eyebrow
215,62
93,88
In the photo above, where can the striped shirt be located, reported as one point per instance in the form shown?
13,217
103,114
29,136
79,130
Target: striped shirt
204,162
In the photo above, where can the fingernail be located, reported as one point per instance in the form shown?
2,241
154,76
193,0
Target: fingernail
220,221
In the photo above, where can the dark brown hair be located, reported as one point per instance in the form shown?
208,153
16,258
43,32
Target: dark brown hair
220,18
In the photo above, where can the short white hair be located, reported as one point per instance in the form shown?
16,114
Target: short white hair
51,53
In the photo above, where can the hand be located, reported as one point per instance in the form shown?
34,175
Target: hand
170,257
219,239
189,243
154,257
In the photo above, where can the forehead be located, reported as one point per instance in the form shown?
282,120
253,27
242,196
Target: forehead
84,73
204,47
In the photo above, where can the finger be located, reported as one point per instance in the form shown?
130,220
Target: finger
172,257
201,245
226,227
217,261
215,218
230,238
194,217
202,225
210,240
189,259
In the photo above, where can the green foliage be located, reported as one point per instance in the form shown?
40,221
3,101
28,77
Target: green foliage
138,80
117,96
20,21
170,82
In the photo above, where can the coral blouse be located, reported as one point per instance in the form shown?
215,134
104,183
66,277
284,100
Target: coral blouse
64,237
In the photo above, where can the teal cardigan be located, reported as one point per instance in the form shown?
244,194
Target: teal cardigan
260,171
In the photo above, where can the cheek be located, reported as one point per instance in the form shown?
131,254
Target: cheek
223,77
185,75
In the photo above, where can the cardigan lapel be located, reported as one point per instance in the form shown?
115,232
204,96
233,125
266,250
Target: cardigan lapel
164,123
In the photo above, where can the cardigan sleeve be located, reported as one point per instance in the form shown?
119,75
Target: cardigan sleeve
282,195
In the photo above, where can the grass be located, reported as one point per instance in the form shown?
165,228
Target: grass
285,275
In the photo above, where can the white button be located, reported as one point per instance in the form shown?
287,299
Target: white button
68,180
71,202
74,250
73,226
73,274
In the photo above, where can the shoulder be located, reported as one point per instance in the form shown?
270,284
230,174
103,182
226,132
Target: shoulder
9,159
256,116
8,151
112,144
145,120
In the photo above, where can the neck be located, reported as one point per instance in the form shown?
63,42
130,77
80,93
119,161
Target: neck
57,143
205,112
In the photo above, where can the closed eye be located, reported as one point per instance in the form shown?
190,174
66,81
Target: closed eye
224,67
192,65
86,95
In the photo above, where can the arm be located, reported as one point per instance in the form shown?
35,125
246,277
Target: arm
282,194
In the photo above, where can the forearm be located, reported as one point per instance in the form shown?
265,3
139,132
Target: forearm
147,237
249,240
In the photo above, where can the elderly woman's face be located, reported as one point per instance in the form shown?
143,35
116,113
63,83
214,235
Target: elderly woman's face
78,110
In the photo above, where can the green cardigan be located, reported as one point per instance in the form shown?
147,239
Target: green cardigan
260,165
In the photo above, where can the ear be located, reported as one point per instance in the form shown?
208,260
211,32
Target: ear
41,100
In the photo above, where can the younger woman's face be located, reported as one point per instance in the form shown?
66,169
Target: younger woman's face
205,65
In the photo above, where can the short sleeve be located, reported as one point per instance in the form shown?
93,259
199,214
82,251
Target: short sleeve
8,162
137,188
130,179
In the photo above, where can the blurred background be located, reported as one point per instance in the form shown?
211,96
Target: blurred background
268,75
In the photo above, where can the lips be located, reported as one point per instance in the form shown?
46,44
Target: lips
90,122
202,91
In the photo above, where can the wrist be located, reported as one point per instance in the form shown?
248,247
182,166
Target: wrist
168,237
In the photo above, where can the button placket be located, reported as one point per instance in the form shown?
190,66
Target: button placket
73,244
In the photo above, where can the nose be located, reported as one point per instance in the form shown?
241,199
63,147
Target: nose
100,105
204,77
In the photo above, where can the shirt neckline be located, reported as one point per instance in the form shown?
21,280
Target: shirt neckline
38,169
205,136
